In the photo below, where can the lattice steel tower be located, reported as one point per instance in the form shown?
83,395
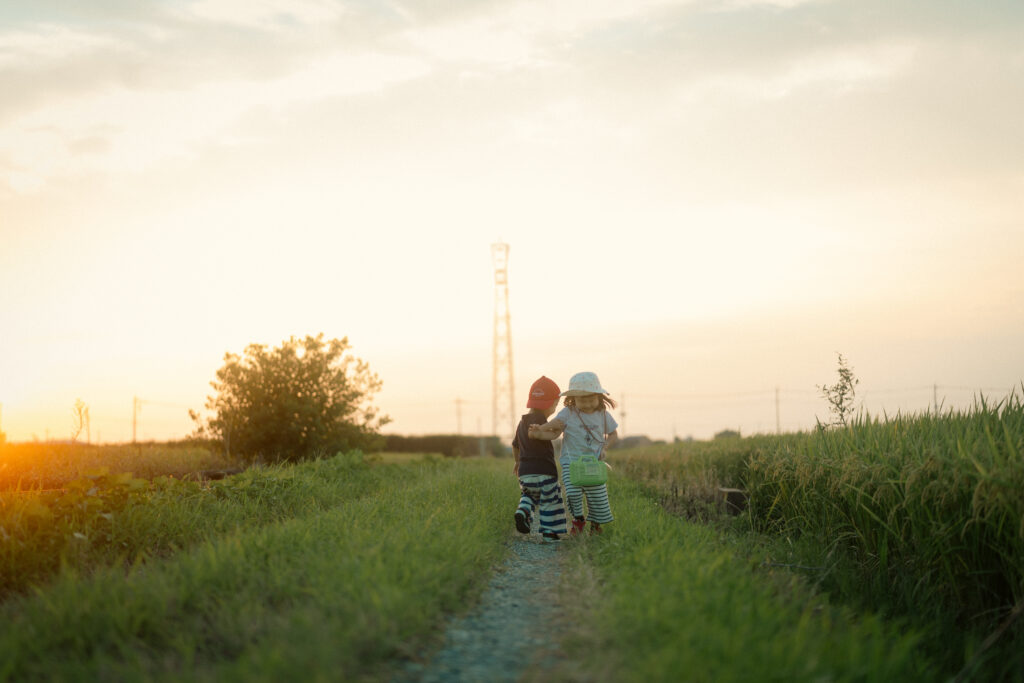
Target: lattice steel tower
502,413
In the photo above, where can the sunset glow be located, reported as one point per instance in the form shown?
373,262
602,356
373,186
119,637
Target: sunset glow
705,201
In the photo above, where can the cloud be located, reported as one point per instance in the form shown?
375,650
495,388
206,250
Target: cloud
836,71
573,76
265,14
142,128
48,43
782,4
526,33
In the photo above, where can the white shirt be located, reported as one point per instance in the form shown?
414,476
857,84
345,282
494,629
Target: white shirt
576,441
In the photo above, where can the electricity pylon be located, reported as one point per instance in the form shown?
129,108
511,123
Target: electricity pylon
502,413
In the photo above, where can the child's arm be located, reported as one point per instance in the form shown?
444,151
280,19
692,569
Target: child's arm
515,454
549,431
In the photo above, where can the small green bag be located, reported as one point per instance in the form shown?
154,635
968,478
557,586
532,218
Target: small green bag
588,471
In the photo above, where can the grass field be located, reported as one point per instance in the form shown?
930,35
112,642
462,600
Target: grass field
890,550
914,517
670,600
51,465
326,571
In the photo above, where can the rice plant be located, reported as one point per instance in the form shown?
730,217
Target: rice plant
926,508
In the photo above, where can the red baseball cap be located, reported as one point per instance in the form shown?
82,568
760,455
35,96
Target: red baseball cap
543,394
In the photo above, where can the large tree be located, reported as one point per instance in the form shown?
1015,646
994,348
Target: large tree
305,398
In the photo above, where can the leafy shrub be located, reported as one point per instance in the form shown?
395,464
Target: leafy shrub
303,399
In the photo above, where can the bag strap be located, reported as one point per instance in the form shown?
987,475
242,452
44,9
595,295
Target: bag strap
583,422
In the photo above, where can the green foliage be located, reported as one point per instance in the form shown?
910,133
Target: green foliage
39,531
925,509
840,396
104,518
667,601
335,593
686,475
916,516
306,398
28,466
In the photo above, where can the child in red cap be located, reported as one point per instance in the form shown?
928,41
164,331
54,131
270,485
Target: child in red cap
535,467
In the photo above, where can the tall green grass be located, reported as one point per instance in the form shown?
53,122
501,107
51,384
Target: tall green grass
106,519
931,506
334,593
52,465
657,598
686,475
918,516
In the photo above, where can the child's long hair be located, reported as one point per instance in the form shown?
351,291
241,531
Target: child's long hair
606,401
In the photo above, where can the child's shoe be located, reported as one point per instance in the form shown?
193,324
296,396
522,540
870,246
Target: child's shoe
577,526
522,522
551,537
595,528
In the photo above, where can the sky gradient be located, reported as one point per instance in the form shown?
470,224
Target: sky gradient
705,201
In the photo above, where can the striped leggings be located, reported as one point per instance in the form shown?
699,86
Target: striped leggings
541,492
598,508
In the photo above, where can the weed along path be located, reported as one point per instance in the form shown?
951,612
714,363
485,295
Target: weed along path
344,570
511,632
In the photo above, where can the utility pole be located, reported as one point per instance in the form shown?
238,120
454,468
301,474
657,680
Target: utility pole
135,415
778,428
935,397
622,413
502,413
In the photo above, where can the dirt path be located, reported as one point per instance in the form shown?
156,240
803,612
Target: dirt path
510,632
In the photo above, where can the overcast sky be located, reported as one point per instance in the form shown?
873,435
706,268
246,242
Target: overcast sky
705,201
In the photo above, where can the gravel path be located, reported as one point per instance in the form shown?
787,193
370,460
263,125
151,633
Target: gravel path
510,631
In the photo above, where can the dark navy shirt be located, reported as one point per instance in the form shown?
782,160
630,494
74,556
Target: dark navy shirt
535,455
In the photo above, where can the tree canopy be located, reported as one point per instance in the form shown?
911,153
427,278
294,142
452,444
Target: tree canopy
305,398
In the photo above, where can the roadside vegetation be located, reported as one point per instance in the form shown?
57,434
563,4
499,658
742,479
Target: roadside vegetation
33,466
306,398
334,566
882,549
917,518
664,599
106,518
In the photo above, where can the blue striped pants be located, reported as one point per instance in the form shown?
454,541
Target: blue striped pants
541,492
598,508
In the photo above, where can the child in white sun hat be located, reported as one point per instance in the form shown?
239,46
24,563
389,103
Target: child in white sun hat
589,430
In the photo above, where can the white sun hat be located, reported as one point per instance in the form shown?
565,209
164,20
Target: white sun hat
583,383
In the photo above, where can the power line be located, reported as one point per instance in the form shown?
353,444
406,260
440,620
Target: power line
687,397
